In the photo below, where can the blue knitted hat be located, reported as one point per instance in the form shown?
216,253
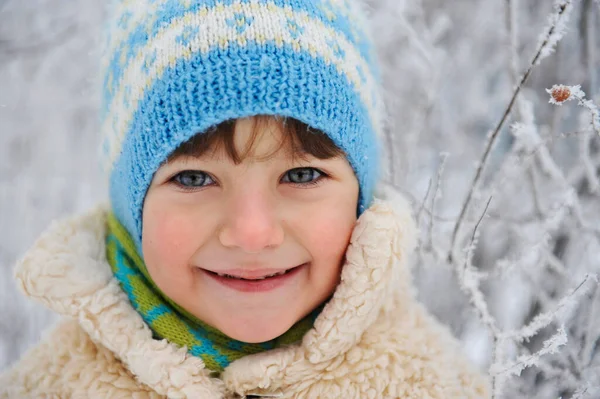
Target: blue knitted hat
174,68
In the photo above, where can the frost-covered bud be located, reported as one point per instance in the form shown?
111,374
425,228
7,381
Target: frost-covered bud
561,93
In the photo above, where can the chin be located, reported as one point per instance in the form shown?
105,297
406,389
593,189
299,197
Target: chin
255,334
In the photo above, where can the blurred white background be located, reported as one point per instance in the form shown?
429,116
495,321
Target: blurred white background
450,71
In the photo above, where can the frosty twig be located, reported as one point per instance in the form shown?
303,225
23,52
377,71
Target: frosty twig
553,34
559,94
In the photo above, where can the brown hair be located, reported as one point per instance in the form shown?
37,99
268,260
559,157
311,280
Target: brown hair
297,136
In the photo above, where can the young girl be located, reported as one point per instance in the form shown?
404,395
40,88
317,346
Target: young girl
243,253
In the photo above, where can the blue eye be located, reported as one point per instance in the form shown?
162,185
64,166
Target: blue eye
303,176
195,179
192,179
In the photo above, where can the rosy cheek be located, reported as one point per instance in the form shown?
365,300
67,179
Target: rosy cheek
330,233
166,238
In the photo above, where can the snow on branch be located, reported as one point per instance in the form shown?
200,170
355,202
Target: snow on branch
542,320
541,230
469,279
551,36
555,30
551,346
559,94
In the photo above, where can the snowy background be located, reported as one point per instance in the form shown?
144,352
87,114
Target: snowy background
510,240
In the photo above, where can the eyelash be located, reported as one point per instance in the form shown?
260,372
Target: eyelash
316,181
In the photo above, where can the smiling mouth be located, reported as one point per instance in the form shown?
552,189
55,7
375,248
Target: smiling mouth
257,284
254,279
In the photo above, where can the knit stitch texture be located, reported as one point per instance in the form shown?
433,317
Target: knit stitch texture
174,68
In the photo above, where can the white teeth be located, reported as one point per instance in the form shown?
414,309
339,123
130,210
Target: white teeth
256,279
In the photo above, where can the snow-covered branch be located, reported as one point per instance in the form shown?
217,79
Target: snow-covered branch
548,40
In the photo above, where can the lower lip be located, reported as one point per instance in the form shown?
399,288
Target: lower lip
267,284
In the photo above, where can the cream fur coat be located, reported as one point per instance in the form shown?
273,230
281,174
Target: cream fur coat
372,340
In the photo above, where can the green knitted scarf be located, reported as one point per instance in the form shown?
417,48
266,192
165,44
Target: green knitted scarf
167,320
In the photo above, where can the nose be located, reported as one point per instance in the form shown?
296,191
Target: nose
251,223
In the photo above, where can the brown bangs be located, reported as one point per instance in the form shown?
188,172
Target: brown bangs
300,139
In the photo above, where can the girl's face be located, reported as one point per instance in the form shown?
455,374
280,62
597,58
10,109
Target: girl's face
205,216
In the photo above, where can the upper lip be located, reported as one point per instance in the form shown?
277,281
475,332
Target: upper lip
251,274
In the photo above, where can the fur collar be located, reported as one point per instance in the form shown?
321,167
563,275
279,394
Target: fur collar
67,271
